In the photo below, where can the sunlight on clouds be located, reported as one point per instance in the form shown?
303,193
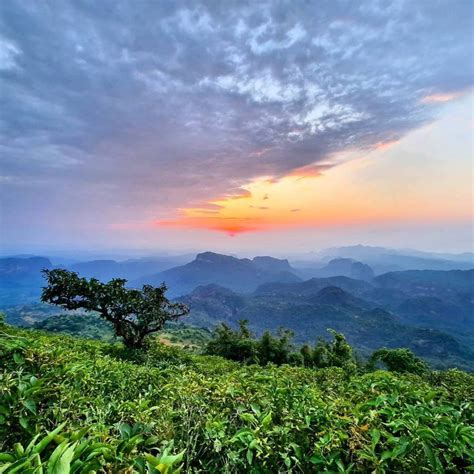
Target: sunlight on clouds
357,189
440,98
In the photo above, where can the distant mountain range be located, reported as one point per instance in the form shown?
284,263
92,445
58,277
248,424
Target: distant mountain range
338,267
382,260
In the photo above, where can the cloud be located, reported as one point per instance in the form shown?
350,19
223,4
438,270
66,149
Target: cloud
130,111
440,98
8,54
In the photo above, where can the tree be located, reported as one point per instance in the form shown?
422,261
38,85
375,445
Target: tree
235,345
275,349
134,314
398,360
341,352
307,354
321,353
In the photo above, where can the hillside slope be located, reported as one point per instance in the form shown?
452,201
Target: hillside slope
109,410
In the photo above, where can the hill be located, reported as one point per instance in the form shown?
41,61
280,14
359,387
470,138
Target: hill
429,282
242,275
21,279
90,406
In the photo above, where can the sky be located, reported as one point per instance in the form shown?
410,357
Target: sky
277,126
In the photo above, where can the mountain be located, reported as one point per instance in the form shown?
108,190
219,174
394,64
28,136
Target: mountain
347,267
429,282
427,298
393,310
18,267
272,264
105,270
430,311
242,275
21,279
313,286
335,296
336,267
384,260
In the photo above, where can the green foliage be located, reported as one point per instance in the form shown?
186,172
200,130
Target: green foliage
90,326
134,314
235,345
81,405
274,349
337,353
398,360
241,346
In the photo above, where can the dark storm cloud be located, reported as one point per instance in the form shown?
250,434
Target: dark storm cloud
117,109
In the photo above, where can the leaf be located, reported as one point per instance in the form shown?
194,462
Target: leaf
48,438
125,430
5,457
255,408
248,417
164,462
18,358
60,460
30,405
316,459
435,464
386,455
267,420
24,422
375,434
16,466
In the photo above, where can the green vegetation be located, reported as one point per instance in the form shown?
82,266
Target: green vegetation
351,307
400,360
133,314
240,345
87,325
91,326
75,405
